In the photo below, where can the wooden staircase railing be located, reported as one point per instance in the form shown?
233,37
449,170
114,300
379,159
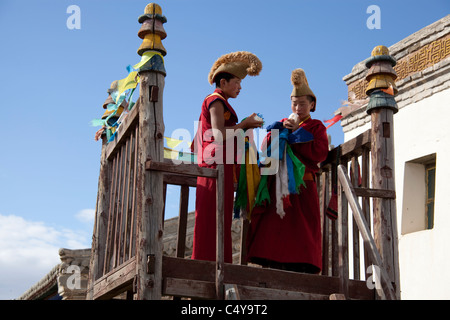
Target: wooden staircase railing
387,290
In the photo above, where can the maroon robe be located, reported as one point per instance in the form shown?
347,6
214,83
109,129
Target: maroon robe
204,246
295,238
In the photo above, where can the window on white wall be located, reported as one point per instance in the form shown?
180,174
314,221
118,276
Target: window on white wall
430,171
418,194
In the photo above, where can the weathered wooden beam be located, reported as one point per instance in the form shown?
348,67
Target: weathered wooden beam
206,290
189,288
126,127
220,212
150,186
256,293
381,108
100,224
375,193
115,282
383,177
260,277
182,168
353,146
179,179
182,221
343,241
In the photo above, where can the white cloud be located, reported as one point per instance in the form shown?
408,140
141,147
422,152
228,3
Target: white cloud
86,215
29,250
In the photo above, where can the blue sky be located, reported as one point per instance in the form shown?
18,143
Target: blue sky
54,80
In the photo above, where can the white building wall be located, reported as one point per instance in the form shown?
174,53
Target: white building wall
421,129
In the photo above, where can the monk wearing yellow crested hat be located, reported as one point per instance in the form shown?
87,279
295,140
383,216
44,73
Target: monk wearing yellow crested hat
217,115
285,232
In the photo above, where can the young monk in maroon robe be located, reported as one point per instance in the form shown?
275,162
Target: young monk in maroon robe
216,117
293,242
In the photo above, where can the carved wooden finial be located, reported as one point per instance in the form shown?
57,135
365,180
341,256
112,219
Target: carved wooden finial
381,77
152,30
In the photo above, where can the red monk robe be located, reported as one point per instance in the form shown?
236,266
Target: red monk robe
295,238
204,246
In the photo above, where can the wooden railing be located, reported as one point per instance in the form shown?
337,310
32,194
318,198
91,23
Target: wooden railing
383,283
114,254
343,253
114,238
113,263
356,154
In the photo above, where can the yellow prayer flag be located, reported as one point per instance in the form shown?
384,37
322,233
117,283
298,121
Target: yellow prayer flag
129,82
172,143
170,154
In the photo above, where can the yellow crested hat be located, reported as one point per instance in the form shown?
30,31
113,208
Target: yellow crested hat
240,64
301,87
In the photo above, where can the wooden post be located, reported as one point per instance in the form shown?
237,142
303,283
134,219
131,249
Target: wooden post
99,232
151,147
381,107
343,240
182,221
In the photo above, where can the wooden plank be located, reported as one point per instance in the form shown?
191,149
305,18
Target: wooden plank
129,192
115,282
255,293
112,198
259,277
334,229
366,200
388,290
118,213
188,269
355,232
324,200
220,212
337,296
206,290
343,241
182,168
180,179
125,129
353,146
189,288
125,199
133,234
182,221
231,292
356,143
375,193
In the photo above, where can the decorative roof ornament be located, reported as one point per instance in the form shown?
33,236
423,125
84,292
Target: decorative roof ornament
381,77
152,32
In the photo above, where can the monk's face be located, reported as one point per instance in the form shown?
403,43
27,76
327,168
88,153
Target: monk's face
231,88
301,106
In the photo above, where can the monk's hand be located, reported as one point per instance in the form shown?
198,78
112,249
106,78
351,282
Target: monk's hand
252,121
290,124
